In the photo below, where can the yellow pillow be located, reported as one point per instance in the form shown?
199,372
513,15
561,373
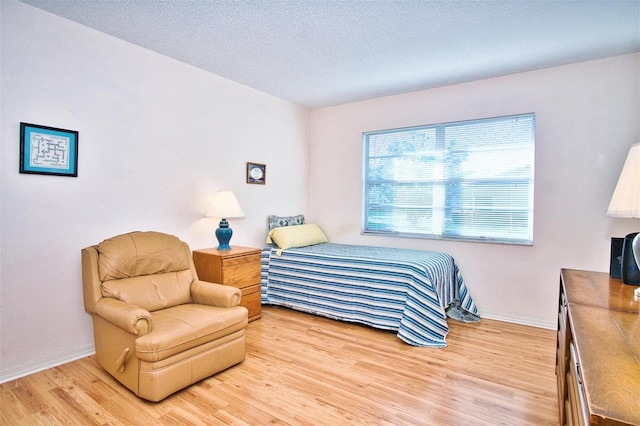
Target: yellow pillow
296,236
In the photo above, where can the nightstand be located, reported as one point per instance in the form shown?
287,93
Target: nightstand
239,267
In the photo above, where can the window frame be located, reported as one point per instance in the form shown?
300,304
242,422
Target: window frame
529,180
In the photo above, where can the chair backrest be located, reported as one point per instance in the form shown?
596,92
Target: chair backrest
152,270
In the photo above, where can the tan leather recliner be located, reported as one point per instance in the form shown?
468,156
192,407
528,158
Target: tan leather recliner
157,328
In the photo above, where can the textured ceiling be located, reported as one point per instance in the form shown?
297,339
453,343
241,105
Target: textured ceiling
322,53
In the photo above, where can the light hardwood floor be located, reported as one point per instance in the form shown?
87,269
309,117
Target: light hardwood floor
307,370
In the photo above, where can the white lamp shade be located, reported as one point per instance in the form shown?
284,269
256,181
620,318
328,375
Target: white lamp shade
626,197
225,205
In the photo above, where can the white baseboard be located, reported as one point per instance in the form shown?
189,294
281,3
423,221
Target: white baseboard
552,325
43,364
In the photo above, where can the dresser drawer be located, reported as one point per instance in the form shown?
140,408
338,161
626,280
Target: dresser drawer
241,271
575,390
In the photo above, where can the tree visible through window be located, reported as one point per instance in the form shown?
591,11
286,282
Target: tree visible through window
470,180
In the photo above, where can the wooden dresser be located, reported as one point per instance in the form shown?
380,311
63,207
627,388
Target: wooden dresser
598,353
239,267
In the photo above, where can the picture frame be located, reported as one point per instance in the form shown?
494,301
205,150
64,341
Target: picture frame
48,150
256,173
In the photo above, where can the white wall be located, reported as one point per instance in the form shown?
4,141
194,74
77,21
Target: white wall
587,117
157,138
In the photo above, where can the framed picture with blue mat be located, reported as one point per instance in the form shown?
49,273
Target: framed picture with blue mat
48,150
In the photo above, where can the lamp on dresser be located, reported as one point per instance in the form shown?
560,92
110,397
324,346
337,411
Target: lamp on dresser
225,206
625,202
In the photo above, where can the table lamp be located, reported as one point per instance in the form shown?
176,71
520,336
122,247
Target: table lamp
626,203
225,206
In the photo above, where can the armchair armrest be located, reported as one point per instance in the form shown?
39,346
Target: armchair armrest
128,317
206,293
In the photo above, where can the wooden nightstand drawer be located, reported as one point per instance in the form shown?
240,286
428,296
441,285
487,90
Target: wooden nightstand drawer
252,301
241,271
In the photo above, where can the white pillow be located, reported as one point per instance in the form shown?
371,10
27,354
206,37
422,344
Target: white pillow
296,236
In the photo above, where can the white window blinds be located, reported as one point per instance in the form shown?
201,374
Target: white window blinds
469,180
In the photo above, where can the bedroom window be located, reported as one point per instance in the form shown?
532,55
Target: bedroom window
469,180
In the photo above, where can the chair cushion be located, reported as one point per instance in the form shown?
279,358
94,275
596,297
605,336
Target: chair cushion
183,327
148,269
152,292
141,253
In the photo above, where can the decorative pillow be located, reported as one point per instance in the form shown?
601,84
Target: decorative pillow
278,221
296,236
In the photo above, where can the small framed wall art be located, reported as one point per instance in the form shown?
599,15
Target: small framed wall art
48,150
256,173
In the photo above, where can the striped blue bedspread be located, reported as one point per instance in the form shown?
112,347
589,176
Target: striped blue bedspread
392,289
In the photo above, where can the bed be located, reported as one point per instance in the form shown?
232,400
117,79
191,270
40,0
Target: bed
410,292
